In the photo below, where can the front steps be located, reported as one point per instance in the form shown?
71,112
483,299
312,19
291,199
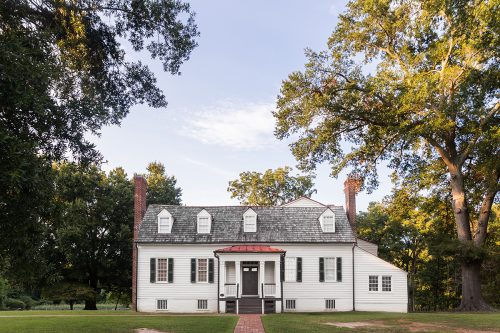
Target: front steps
251,305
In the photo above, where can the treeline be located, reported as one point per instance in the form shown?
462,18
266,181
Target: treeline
417,233
73,241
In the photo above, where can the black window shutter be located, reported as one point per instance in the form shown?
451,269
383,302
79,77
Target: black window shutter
321,269
211,270
152,270
282,268
299,269
170,270
193,270
339,269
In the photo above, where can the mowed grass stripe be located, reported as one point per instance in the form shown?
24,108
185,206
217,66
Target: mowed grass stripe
318,322
117,324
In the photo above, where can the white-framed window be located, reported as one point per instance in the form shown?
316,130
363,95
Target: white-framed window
162,270
164,225
202,304
373,283
329,304
204,222
164,222
327,220
328,223
290,304
290,269
386,283
250,221
330,270
161,304
202,270
203,225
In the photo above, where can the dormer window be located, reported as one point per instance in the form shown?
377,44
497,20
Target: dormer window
250,221
165,221
327,221
204,222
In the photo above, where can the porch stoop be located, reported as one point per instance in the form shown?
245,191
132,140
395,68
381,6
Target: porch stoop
250,305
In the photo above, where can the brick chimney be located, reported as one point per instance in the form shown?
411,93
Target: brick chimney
140,186
351,188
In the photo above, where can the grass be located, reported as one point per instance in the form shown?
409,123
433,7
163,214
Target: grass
104,321
110,322
394,322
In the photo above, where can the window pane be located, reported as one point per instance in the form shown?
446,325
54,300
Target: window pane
373,283
328,223
290,269
386,283
330,269
164,225
162,270
250,224
202,270
203,225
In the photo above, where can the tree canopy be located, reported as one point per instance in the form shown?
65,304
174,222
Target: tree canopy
161,187
271,188
414,84
64,73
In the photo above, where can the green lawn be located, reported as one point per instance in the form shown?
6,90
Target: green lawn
110,322
383,322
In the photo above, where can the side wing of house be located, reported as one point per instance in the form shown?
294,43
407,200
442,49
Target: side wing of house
379,286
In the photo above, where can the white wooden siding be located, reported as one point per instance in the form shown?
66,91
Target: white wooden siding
182,295
230,272
310,294
269,272
396,300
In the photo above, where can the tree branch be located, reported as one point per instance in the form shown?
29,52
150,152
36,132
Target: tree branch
485,211
473,140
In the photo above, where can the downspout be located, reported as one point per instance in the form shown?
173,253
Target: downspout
281,280
353,284
136,272
218,282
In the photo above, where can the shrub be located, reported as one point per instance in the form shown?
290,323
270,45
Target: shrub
28,301
14,304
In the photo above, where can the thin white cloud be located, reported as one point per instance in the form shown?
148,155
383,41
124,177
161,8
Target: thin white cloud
209,167
237,125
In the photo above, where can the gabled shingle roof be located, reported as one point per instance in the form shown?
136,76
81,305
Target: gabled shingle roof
274,224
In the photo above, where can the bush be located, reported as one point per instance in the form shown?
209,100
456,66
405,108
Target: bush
14,304
28,301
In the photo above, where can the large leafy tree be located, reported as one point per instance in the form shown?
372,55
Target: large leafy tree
93,223
161,187
271,188
414,83
64,73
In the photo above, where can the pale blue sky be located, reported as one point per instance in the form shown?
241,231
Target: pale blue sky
218,122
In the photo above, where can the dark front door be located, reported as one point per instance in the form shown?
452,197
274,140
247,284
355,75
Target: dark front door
250,281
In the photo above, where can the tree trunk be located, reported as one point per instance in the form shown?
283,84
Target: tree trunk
472,300
71,305
90,304
117,300
471,283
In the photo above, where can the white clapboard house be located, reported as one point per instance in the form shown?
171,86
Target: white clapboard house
300,257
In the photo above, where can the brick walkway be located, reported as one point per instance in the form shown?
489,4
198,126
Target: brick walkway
249,323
